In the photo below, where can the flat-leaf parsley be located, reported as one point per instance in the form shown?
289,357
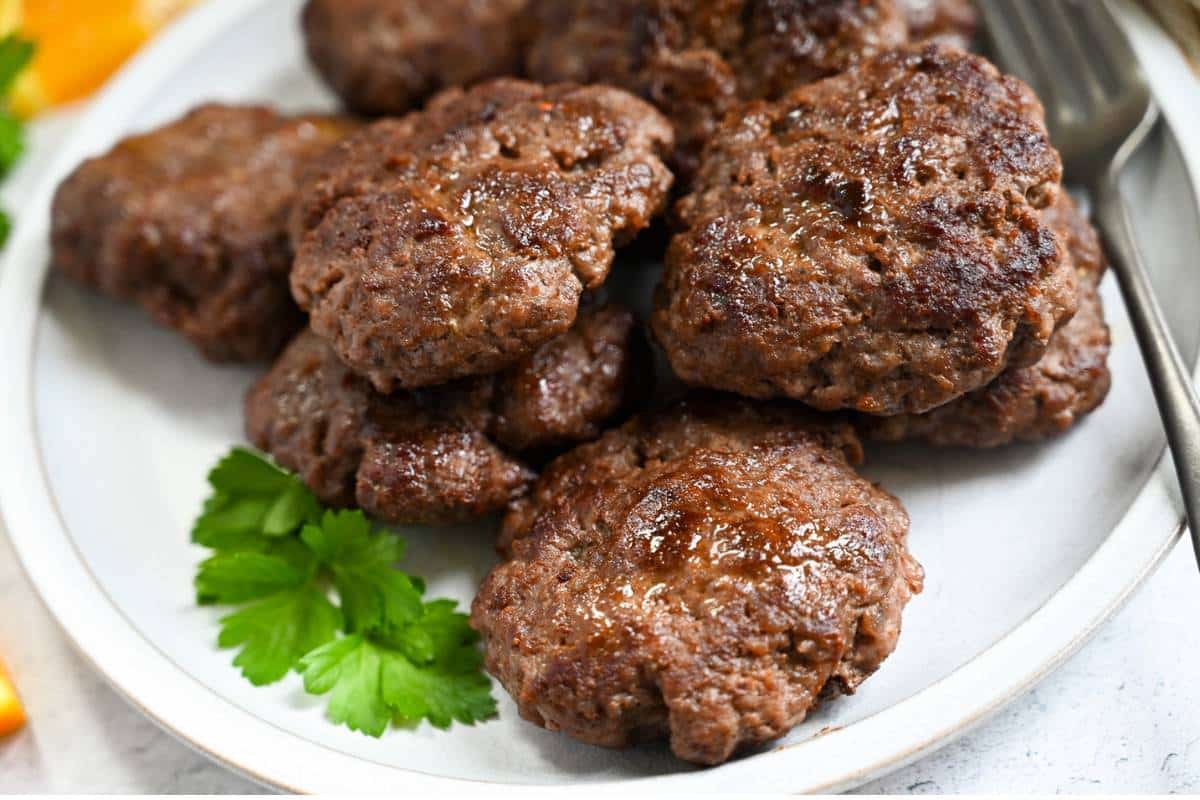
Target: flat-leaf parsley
381,653
15,55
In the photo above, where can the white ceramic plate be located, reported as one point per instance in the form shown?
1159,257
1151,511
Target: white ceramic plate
109,426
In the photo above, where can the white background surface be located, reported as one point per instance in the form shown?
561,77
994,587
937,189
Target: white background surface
1119,717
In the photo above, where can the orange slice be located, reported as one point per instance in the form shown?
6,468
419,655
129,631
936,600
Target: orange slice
80,43
12,714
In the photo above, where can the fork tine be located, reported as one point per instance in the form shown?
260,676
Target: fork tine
1000,32
1061,27
1101,27
1026,22
1020,47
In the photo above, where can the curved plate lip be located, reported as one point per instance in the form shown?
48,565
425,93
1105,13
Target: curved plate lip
836,760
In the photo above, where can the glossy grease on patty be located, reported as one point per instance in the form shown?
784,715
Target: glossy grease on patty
455,241
707,574
446,453
872,241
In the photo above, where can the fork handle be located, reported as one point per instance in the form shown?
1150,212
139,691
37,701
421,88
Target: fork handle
1169,376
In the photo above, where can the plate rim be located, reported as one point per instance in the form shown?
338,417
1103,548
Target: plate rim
225,732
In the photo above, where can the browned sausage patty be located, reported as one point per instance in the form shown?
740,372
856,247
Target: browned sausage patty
389,56
872,241
697,60
445,453
189,221
1030,403
953,22
705,574
455,241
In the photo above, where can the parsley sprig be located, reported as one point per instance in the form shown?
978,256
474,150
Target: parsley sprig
15,54
382,653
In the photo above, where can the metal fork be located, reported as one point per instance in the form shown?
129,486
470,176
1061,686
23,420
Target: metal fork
1099,111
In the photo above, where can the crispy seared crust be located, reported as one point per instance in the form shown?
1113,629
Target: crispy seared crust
697,60
705,574
872,241
389,56
1030,403
189,221
446,453
455,241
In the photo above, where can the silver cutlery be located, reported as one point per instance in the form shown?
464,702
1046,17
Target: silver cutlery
1099,110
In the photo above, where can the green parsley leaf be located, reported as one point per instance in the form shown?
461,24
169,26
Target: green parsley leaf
12,141
244,471
291,508
252,498
241,576
294,552
15,55
229,523
433,670
374,594
276,632
440,631
370,685
339,535
400,661
438,694
349,670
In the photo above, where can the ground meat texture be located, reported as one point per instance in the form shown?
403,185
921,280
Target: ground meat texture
189,221
872,241
707,574
455,241
953,22
698,60
442,454
1030,403
575,384
389,56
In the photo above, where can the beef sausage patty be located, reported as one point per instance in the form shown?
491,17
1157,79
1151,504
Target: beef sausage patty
872,241
455,241
697,60
1030,403
189,221
388,56
706,574
441,454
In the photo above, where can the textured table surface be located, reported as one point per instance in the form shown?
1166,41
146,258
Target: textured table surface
1120,716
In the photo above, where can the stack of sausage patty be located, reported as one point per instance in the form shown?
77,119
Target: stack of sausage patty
866,236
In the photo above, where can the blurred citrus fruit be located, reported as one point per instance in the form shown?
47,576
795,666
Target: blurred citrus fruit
79,43
12,715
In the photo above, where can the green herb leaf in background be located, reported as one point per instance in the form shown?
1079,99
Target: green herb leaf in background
373,592
253,500
239,577
276,632
12,141
441,693
381,654
349,671
15,54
